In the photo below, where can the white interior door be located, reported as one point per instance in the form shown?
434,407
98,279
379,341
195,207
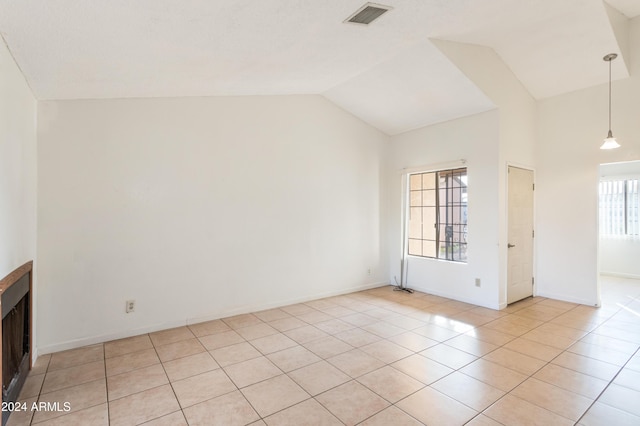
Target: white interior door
520,234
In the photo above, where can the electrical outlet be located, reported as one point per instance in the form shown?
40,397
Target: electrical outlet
130,306
477,282
369,271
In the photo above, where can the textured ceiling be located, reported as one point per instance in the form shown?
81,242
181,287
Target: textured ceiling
630,8
388,73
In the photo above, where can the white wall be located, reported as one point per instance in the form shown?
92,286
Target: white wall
507,137
474,139
18,173
113,172
199,208
517,108
17,168
517,128
619,255
571,130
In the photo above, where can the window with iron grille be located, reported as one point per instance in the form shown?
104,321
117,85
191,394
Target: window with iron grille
437,210
620,208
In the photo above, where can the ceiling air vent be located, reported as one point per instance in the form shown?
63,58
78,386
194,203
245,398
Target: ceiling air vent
368,13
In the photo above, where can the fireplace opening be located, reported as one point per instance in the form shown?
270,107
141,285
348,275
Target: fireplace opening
15,343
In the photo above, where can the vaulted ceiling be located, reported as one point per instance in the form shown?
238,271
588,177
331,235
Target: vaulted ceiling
388,73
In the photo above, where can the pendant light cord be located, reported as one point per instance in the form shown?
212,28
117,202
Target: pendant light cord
610,141
609,95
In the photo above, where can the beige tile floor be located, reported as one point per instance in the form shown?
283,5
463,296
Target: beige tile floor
376,357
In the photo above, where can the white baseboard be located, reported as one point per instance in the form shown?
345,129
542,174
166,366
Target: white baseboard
85,341
569,299
620,275
453,297
293,301
34,356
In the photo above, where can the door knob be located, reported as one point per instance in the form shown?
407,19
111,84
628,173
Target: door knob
509,245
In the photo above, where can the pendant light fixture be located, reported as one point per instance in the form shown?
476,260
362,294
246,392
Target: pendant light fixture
610,141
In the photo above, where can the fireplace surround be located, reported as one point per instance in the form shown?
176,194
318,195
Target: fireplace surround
16,340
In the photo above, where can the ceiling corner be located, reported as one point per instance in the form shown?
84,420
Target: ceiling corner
620,26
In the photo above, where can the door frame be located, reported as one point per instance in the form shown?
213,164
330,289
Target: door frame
506,231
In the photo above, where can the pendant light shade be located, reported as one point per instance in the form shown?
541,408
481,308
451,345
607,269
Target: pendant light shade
610,142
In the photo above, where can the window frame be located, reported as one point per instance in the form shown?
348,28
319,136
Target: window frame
450,232
621,228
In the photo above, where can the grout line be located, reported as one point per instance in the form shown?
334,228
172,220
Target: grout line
607,387
563,351
400,311
168,381
106,384
619,371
